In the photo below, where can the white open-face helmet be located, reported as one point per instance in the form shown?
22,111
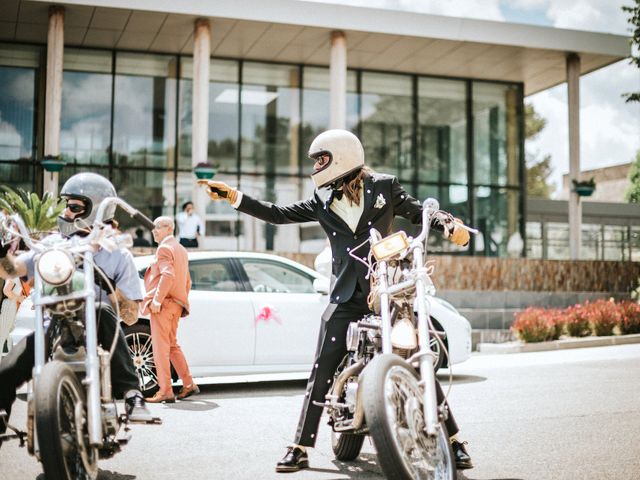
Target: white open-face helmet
346,155
91,189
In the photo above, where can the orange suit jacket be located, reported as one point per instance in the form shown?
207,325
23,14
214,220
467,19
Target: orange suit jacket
168,279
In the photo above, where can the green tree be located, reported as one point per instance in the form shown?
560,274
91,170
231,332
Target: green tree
538,170
632,194
634,58
40,215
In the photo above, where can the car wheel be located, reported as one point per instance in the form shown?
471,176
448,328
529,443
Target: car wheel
440,357
138,338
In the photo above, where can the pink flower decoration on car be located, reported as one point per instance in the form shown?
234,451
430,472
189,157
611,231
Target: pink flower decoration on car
266,314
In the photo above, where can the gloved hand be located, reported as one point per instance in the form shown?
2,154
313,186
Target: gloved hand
459,235
220,191
452,228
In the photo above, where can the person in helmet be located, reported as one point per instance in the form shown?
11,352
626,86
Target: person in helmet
348,201
83,193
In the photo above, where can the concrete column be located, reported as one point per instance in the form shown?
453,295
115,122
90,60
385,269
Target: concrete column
575,205
338,80
200,106
53,93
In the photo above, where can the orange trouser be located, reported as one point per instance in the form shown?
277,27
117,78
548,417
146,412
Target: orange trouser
166,351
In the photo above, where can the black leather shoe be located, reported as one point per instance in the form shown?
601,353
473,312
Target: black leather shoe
463,460
295,459
136,409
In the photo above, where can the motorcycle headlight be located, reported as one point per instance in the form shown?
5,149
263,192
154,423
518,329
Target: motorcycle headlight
390,246
56,267
403,334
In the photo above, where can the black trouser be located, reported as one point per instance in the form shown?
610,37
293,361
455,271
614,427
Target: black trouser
189,242
329,353
17,367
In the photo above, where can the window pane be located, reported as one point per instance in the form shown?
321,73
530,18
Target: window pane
260,236
316,106
144,110
17,175
223,114
18,76
213,276
270,118
265,276
497,212
151,192
442,131
453,199
85,129
496,137
387,122
534,240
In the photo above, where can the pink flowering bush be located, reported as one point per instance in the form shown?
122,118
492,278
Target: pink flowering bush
577,320
629,317
604,316
532,325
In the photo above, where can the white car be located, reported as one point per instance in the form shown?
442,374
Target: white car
255,316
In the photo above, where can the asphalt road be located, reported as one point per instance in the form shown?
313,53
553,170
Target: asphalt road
552,415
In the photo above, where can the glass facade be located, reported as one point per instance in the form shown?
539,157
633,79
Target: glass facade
20,71
128,116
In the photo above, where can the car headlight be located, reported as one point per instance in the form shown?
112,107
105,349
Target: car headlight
56,267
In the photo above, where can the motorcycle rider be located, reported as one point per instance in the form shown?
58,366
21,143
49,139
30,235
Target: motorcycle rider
348,201
83,193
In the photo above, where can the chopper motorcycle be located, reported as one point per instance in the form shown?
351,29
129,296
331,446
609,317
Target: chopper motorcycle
72,418
385,386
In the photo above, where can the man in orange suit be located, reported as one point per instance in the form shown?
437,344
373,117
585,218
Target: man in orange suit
167,283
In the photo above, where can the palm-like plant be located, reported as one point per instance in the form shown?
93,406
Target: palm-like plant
39,214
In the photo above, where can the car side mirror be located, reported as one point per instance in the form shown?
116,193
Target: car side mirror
321,285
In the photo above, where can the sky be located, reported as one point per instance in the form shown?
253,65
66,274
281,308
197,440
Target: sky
610,129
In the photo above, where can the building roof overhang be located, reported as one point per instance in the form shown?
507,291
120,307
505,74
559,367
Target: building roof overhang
294,31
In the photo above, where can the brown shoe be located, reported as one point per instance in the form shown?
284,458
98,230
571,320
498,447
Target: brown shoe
161,398
188,391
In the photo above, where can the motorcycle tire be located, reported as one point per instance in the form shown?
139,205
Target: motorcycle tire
385,431
61,425
346,446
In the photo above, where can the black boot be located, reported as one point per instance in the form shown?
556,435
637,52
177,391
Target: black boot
463,460
295,459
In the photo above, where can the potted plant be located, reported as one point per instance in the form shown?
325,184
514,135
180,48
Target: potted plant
53,163
205,170
40,215
584,188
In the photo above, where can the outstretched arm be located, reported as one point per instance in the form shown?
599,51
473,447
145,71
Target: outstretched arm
298,212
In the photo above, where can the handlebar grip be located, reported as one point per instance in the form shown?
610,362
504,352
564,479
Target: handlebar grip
143,220
220,193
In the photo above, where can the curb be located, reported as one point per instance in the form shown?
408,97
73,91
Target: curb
520,347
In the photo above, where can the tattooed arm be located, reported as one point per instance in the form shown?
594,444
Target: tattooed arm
128,308
10,266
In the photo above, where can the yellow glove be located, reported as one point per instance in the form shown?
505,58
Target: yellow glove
220,191
459,235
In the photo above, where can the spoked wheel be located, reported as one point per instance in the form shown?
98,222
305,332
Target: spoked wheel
139,342
61,425
346,446
393,410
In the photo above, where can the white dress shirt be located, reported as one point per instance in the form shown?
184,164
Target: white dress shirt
188,225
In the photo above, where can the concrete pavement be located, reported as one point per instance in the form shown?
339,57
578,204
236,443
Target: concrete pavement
558,415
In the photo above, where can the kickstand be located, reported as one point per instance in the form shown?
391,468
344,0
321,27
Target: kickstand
151,421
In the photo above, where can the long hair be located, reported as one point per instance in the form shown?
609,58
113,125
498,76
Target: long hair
353,183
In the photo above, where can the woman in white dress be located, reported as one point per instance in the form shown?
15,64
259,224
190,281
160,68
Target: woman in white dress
15,291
